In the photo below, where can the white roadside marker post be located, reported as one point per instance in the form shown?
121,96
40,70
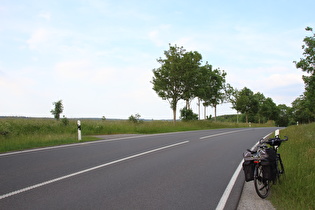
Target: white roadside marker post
79,130
277,133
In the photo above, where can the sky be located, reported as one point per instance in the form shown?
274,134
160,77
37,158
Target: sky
97,56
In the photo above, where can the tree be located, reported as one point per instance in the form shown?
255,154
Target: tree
301,111
269,109
307,64
211,86
175,79
135,119
57,110
191,64
245,102
261,99
285,115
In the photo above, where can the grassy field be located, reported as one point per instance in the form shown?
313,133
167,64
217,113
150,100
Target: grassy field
26,133
297,187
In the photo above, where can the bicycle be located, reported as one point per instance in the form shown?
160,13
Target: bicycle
264,165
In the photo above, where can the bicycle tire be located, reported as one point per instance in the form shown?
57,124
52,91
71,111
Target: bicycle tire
262,186
280,168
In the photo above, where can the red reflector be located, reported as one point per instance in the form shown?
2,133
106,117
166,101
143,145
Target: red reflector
256,161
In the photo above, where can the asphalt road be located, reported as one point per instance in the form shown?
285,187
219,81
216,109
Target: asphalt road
184,170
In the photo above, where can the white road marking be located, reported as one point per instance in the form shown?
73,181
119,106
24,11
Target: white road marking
220,134
88,170
230,186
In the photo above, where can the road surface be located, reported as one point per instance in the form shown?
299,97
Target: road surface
183,170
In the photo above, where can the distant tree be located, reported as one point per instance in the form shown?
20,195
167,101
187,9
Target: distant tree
269,109
301,111
135,119
285,116
245,102
57,110
211,87
261,99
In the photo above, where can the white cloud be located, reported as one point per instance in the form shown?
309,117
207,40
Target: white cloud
83,70
45,15
159,35
39,38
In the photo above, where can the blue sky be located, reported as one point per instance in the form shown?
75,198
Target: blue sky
98,56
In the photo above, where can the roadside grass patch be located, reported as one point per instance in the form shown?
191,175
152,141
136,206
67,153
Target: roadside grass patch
297,187
27,133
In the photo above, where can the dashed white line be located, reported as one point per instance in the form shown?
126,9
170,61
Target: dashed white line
87,170
220,134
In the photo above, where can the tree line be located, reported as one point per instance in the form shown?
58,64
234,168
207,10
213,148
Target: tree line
181,76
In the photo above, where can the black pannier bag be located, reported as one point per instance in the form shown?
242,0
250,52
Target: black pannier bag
269,165
248,166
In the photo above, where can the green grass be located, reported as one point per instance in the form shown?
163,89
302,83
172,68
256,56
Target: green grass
24,133
297,187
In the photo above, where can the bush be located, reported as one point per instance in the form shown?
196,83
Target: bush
188,114
135,119
65,121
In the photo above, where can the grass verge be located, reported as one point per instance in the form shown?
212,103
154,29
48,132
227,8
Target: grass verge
297,187
21,133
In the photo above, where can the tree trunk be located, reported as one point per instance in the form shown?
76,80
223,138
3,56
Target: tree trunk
174,115
205,112
246,117
198,108
187,104
215,112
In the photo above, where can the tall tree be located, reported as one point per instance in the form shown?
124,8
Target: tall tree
307,64
261,99
57,110
269,109
191,64
211,87
285,115
168,78
245,102
301,111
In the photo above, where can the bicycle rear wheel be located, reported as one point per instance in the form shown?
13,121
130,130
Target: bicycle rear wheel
262,186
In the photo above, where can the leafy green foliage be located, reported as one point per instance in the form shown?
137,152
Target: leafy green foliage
65,121
246,102
168,78
135,119
187,114
181,77
307,64
57,110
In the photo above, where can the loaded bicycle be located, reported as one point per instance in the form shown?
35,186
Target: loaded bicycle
264,165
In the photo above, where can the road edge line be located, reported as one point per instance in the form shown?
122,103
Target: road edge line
230,186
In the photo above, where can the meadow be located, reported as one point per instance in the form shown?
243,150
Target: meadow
27,133
297,187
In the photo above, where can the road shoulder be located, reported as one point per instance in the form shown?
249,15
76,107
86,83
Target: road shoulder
250,200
